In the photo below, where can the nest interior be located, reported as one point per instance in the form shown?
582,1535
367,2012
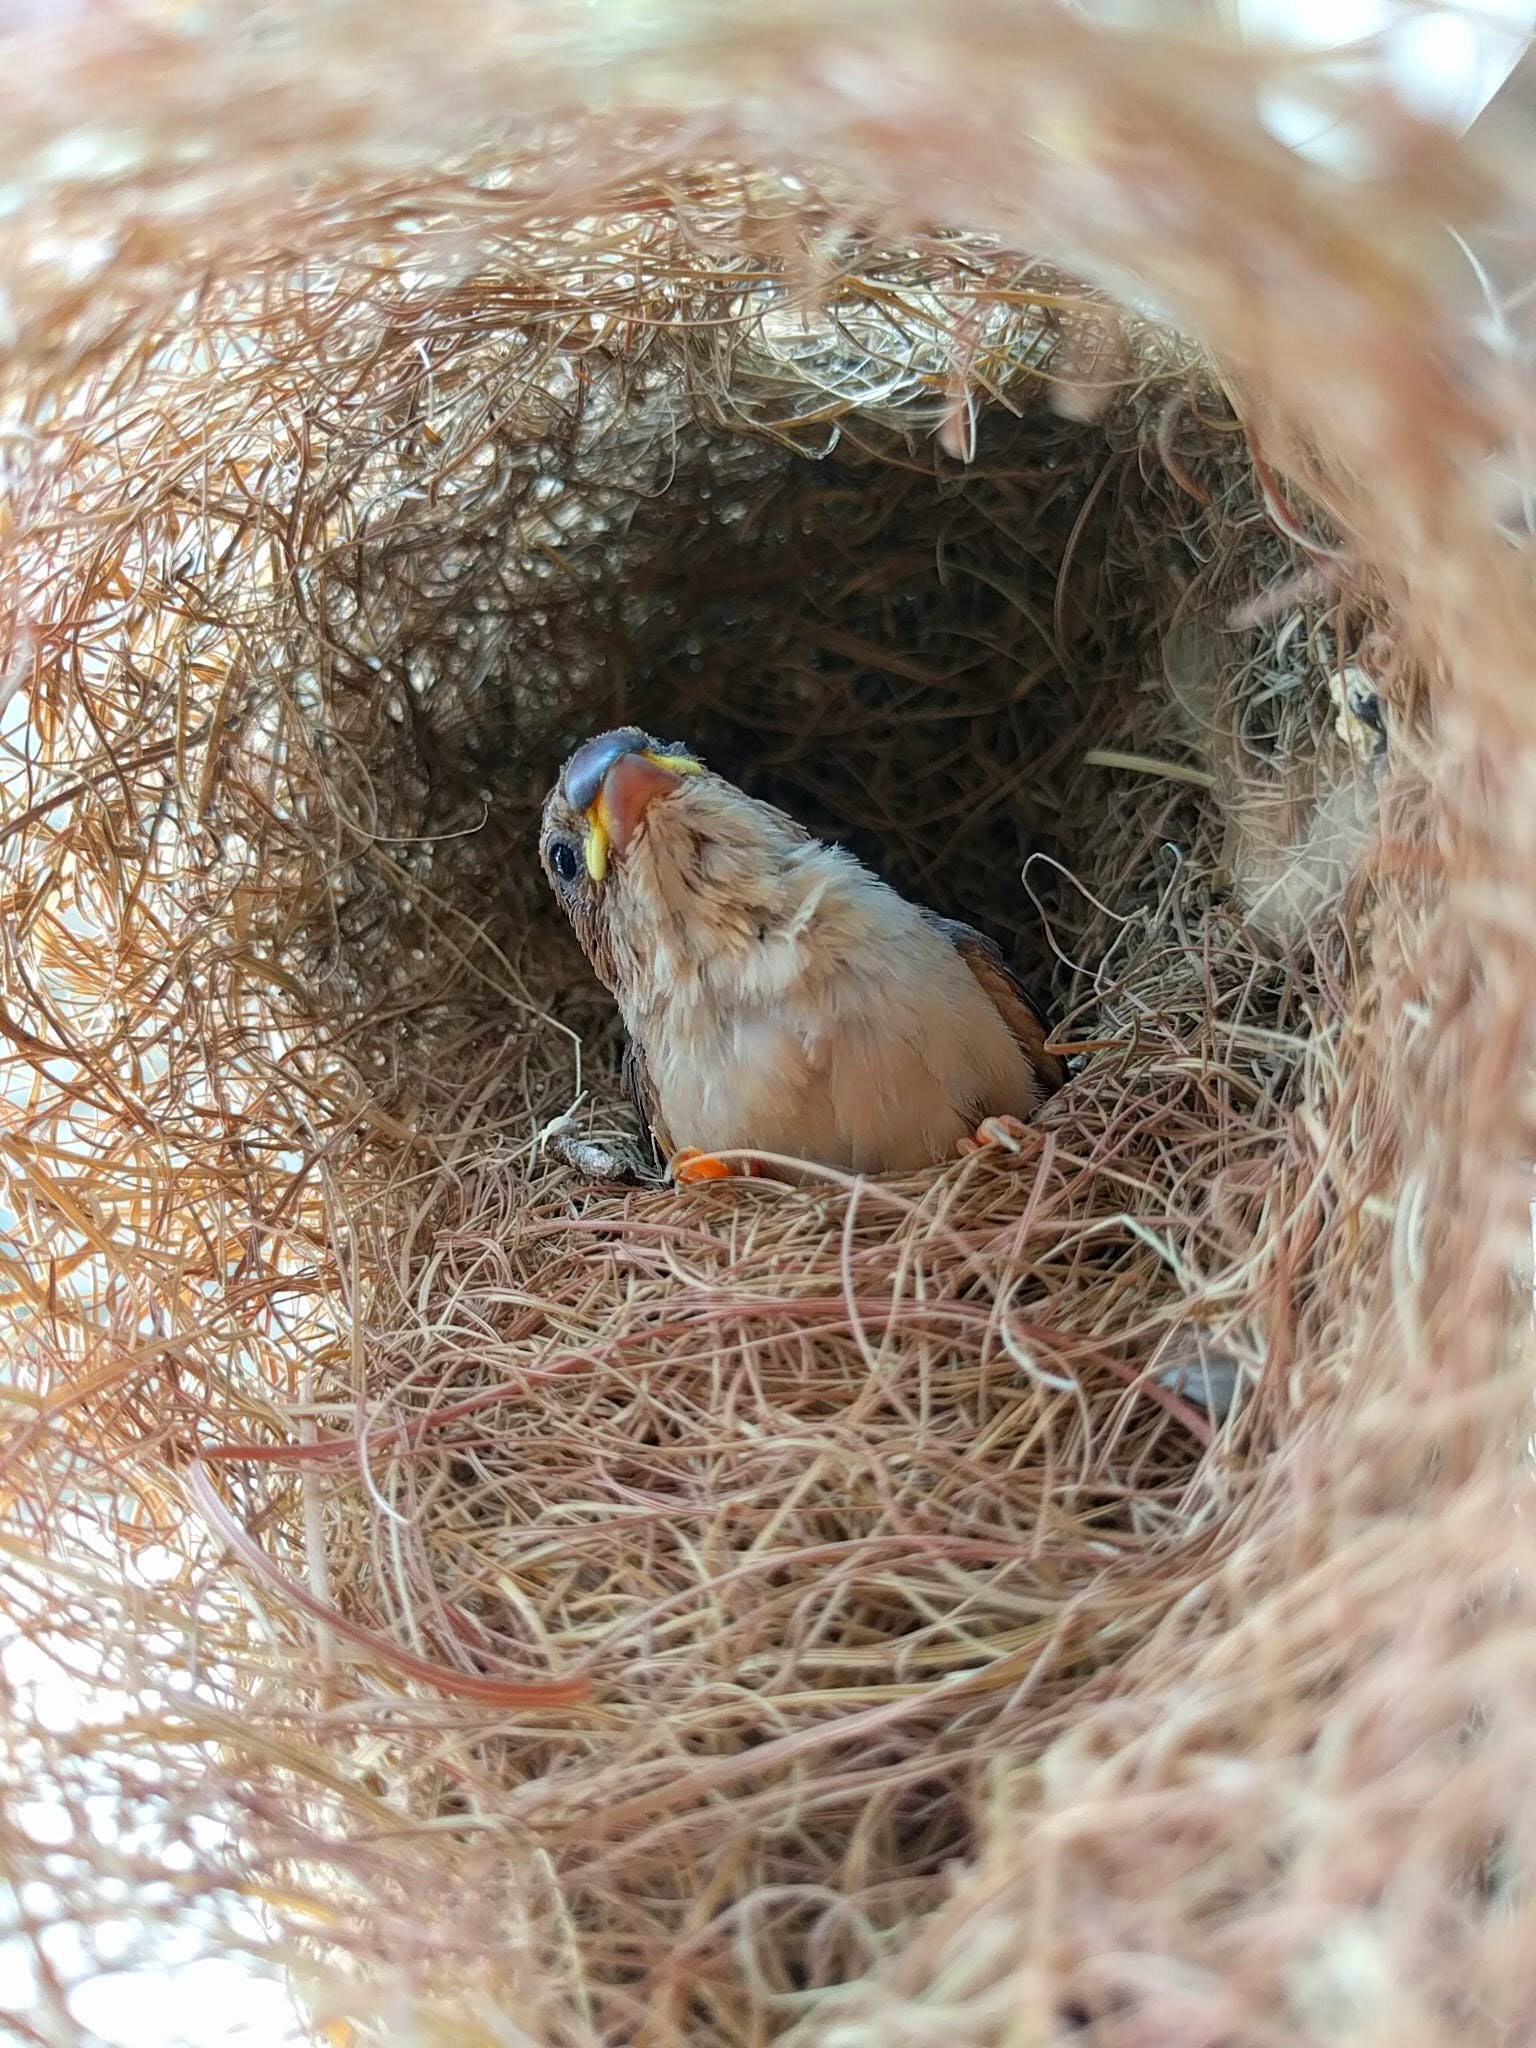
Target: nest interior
721,1614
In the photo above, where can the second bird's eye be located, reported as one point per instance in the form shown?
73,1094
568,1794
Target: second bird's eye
562,858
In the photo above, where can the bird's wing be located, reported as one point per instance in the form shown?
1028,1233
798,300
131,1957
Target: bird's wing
984,957
641,1090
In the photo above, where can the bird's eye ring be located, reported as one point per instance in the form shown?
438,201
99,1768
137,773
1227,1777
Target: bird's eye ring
564,859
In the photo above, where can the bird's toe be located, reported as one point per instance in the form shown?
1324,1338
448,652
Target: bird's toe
691,1165
996,1134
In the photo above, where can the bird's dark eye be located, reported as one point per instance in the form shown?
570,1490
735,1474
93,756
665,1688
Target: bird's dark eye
564,859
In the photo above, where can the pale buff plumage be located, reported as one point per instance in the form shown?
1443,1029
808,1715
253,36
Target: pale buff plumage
778,996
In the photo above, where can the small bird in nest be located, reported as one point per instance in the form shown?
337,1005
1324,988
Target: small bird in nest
778,997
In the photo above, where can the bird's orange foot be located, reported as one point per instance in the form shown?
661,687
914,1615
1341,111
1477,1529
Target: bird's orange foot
995,1134
691,1165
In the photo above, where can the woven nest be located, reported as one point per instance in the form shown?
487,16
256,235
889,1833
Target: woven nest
1084,1598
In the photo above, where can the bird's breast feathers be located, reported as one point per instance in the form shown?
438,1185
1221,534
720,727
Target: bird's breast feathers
849,1032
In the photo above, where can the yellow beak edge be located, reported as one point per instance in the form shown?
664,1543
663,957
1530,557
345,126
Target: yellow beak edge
598,835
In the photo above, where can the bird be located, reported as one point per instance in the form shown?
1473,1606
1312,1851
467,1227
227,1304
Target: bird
777,996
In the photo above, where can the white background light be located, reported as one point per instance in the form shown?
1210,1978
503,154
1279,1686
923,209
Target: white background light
1444,62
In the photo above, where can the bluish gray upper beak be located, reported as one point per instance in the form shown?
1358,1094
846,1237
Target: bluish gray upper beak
584,772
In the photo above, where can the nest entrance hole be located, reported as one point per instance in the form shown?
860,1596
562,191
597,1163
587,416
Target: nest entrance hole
915,656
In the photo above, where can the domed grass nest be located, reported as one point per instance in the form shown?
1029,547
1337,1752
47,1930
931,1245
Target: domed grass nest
1082,1596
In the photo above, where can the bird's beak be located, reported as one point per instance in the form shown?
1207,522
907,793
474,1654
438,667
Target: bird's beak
628,789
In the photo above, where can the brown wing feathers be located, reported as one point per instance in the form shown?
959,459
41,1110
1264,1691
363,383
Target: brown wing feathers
985,959
641,1090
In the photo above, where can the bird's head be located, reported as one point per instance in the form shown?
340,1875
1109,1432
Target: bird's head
664,869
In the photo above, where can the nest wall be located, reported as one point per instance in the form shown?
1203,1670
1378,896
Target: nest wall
1079,1599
